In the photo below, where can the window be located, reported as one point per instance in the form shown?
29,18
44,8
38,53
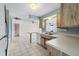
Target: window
51,24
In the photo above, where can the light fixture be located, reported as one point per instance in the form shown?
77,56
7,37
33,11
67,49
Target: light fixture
34,5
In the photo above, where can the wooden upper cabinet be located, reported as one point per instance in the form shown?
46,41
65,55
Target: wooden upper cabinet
69,15
59,19
42,23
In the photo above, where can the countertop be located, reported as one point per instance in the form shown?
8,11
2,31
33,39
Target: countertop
66,43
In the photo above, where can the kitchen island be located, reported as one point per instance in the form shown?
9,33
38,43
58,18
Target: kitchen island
64,43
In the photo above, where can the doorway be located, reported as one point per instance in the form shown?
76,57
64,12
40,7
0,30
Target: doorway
17,30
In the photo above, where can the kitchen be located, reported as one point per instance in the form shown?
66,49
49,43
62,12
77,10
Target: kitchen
65,41
53,31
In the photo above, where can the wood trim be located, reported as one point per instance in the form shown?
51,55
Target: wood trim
69,27
40,22
30,37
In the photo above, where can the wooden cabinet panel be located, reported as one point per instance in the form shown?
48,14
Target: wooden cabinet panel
69,14
42,23
59,21
54,52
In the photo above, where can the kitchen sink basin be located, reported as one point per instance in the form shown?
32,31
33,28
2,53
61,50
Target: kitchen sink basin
47,36
49,33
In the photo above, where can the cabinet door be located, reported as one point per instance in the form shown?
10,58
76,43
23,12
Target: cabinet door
77,16
65,15
42,41
55,52
69,14
59,20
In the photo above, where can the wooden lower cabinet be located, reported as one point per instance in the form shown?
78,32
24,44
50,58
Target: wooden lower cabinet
54,52
43,42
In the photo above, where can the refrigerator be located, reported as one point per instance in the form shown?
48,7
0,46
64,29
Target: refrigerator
3,37
5,30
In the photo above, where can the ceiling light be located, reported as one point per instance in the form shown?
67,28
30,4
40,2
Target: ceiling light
34,5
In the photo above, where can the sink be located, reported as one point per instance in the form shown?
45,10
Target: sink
49,33
47,36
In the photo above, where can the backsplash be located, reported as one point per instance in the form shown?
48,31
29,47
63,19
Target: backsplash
70,31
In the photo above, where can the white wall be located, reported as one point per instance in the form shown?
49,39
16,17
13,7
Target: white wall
27,26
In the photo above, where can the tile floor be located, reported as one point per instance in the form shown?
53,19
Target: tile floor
21,46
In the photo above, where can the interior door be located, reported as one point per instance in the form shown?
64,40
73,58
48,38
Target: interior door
16,29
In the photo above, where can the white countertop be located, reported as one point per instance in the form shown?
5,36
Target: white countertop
66,44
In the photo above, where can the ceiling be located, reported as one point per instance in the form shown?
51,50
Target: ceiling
24,9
